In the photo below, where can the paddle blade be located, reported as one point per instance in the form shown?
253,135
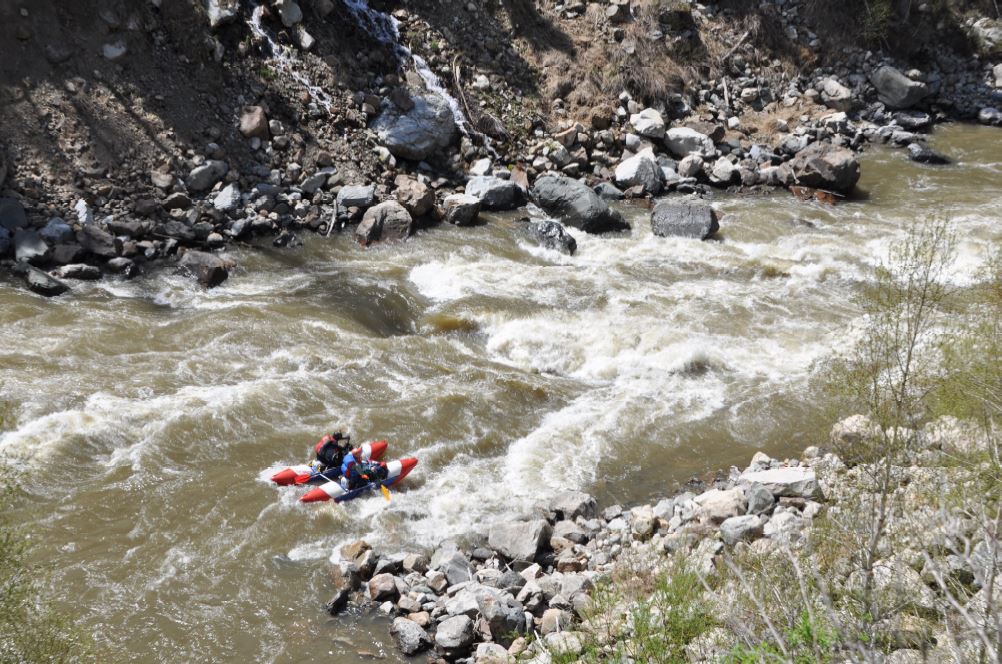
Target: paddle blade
386,493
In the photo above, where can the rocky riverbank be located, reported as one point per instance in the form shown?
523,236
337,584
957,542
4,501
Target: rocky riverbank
550,587
400,141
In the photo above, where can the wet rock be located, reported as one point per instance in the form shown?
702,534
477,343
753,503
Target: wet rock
796,481
460,209
57,231
454,636
990,116
520,541
608,192
419,133
409,636
97,241
640,170
80,271
683,141
209,269
29,247
572,504
337,603
123,266
691,218
823,166
897,90
254,122
44,284
576,204
204,177
12,216
913,120
386,221
382,587
925,155
415,196
495,193
551,235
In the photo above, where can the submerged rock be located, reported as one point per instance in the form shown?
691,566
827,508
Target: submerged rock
551,235
691,218
209,269
44,284
925,155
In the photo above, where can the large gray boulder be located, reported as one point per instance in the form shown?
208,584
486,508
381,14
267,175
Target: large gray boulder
496,193
897,90
386,221
43,284
504,615
454,636
97,241
643,170
356,196
823,166
29,247
12,216
987,34
683,141
835,95
576,204
460,209
551,235
690,218
649,123
420,132
410,637
572,504
57,231
520,540
417,197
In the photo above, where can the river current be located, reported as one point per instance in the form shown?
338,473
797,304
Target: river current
148,414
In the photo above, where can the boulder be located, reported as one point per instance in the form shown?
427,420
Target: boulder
608,192
492,653
460,209
760,499
495,193
123,266
420,132
649,123
784,527
576,204
221,12
454,636
228,198
44,284
640,170
924,154
551,235
555,620
177,201
254,122
455,567
718,505
382,587
723,172
895,89
80,271
205,176
990,116
520,540
836,96
795,481
690,166
97,241
12,216
691,218
740,528
415,196
683,141
505,617
29,247
289,12
823,166
386,221
57,231
409,636
356,196
570,505
209,269
987,34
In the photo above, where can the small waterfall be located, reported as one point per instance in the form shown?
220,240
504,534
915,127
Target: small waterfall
285,59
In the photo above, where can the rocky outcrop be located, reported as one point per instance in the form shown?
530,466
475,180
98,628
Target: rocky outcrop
575,204
424,130
684,218
822,166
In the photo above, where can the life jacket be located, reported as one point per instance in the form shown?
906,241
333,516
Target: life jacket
347,463
329,452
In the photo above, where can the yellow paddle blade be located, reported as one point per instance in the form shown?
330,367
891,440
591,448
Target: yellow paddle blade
386,493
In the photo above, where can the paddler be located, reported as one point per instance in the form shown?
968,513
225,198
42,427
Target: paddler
331,452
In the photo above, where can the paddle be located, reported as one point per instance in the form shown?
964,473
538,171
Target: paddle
386,492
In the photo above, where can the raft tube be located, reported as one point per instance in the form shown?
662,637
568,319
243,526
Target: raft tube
395,471
304,473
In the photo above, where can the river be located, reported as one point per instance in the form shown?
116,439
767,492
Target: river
148,413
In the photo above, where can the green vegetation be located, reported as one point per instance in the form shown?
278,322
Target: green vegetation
29,631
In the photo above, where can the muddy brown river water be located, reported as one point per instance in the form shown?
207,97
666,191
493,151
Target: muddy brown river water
148,413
